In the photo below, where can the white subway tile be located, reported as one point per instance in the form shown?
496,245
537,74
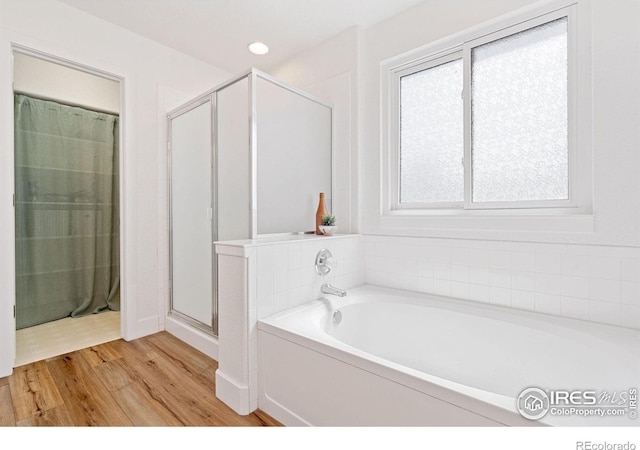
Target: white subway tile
480,293
370,276
550,248
480,275
604,312
265,306
578,308
370,263
630,269
500,259
576,265
525,261
393,265
630,293
441,255
483,244
548,303
630,316
514,246
589,250
460,273
575,286
548,283
626,252
460,290
477,257
408,267
605,267
425,285
501,278
416,252
604,290
404,282
296,297
442,287
500,296
381,278
548,263
523,300
280,302
265,271
523,281
399,251
442,271
369,247
281,269
295,256
425,269
459,255
382,249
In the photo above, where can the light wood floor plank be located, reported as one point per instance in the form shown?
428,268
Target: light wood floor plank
188,402
139,400
33,391
85,396
193,362
54,417
7,419
157,380
98,354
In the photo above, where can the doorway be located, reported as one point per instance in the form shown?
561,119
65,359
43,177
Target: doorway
67,206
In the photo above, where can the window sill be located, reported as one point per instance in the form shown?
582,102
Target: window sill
494,220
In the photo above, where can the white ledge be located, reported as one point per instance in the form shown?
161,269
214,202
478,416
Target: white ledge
231,247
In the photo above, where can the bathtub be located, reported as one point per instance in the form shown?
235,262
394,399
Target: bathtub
398,358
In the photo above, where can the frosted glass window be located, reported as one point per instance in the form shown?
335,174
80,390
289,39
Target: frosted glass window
519,116
432,135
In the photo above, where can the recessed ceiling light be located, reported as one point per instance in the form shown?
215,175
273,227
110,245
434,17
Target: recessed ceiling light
258,48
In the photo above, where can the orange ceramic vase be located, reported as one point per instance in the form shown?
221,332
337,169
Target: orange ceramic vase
322,211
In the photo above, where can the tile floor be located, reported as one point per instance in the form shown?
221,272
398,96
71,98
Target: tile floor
65,335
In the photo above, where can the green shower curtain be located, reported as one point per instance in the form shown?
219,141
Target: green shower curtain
67,214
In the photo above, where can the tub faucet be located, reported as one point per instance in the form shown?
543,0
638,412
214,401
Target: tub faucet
326,288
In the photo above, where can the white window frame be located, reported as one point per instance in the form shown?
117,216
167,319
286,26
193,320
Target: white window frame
418,66
444,50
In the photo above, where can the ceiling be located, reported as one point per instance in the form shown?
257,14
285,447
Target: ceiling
218,31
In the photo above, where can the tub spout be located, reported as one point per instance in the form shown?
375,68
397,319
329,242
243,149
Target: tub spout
328,289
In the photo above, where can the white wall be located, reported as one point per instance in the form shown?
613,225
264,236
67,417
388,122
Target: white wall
615,69
155,78
330,72
47,80
611,37
592,275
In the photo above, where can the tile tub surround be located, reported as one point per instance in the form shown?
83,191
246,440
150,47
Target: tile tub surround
588,282
260,277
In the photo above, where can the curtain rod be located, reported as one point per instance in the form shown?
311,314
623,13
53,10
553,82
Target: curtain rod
67,103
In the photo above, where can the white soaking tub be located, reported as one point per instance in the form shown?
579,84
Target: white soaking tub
398,358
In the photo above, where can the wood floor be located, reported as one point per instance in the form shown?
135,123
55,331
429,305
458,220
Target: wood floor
157,380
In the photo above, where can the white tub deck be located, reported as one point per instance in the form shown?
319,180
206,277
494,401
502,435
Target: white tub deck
400,358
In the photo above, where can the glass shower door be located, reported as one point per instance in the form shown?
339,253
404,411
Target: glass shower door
192,228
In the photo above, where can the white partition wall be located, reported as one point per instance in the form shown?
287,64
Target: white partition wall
293,154
233,137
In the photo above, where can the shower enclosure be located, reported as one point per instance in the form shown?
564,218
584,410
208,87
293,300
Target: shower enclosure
246,160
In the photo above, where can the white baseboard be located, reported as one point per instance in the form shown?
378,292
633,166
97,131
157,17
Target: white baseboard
197,339
234,395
